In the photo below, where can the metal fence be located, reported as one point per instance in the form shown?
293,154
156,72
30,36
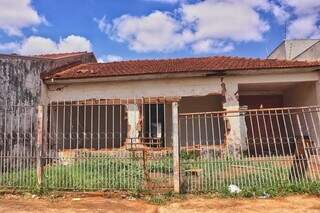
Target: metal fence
129,144
269,147
17,146
88,145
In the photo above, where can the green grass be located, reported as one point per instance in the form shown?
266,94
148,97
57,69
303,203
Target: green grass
94,173
101,172
218,174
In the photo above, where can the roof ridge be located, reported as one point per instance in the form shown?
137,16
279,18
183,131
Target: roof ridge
185,58
206,57
211,64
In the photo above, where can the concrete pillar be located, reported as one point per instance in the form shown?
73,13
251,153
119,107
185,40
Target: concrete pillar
134,123
176,147
318,91
39,146
236,133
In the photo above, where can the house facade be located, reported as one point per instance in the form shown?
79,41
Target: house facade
142,93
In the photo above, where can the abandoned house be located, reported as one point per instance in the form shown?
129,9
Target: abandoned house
68,110
138,96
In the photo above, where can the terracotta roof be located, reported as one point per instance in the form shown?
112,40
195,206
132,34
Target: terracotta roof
59,55
183,65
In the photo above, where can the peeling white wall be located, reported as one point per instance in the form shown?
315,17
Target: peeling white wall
137,89
197,86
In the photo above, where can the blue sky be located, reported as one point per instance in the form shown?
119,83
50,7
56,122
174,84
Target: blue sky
135,29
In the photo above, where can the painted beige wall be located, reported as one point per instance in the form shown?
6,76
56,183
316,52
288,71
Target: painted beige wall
301,95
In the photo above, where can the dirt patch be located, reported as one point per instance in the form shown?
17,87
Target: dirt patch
290,204
73,204
301,203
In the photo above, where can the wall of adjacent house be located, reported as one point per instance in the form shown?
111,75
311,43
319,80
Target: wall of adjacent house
279,52
20,76
20,84
313,53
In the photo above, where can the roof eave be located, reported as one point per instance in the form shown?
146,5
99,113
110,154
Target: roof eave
124,78
181,75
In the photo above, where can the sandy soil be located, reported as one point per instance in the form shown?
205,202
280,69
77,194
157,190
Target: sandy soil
290,204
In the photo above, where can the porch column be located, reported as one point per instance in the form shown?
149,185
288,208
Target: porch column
134,123
236,131
318,91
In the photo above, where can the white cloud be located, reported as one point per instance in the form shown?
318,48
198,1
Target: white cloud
304,27
18,14
166,1
235,20
109,58
304,19
9,47
303,7
103,25
35,45
280,13
211,46
212,26
155,32
74,43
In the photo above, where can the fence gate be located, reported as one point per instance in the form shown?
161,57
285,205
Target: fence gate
269,147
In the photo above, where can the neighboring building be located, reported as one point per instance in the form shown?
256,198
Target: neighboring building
20,92
297,49
20,81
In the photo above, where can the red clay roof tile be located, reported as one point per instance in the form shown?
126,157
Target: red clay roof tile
183,65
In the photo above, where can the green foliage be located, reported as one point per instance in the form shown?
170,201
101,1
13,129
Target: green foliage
93,173
100,172
161,199
161,165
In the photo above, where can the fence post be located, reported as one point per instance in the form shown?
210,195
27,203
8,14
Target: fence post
176,147
39,147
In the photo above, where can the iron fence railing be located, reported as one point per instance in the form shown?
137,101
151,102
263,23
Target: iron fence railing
129,144
249,148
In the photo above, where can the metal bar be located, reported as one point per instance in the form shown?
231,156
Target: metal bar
39,146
